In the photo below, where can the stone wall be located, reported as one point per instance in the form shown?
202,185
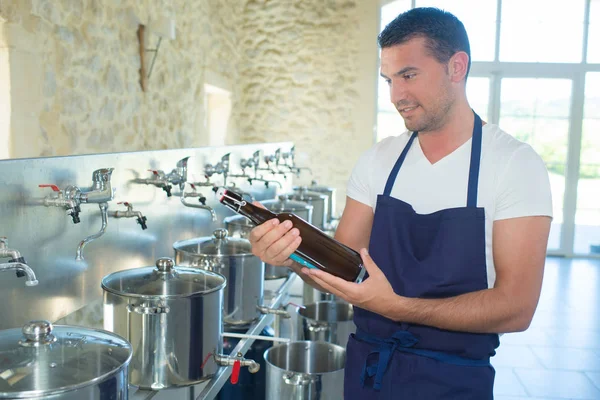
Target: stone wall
303,71
313,81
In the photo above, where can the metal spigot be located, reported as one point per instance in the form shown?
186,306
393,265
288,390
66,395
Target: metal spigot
84,242
292,164
277,311
22,270
69,200
101,189
141,219
220,168
13,255
177,177
237,362
201,199
266,181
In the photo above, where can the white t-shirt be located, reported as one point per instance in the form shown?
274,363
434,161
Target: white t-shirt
513,180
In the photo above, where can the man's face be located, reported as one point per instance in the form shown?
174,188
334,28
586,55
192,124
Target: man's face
420,87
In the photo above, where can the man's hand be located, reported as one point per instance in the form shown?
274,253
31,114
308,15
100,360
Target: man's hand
273,242
374,294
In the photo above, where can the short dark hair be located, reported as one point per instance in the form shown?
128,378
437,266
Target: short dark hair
444,33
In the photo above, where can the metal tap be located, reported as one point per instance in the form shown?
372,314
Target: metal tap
226,361
277,311
177,177
14,257
141,219
91,238
101,189
201,199
67,200
72,197
292,165
222,168
23,269
266,181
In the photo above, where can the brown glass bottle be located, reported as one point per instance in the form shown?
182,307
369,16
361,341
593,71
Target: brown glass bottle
317,250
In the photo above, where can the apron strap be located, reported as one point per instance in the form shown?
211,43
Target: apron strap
475,162
392,177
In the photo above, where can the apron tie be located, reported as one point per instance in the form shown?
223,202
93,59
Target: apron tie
387,347
404,341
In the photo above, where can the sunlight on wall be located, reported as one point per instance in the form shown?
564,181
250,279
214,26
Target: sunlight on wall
5,143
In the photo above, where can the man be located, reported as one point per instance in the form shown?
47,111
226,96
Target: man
456,215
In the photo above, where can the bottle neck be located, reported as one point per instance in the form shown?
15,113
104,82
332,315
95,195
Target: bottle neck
255,214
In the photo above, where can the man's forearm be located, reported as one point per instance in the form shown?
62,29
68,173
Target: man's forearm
485,311
296,268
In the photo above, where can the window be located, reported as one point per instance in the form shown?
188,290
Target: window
536,111
539,31
587,217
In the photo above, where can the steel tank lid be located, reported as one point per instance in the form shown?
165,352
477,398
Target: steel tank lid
165,280
315,187
285,204
217,245
303,194
40,359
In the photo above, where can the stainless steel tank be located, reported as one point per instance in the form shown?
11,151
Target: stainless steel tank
231,257
172,317
61,362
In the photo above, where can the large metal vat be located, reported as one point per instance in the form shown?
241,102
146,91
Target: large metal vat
327,321
232,258
305,371
172,317
42,361
319,202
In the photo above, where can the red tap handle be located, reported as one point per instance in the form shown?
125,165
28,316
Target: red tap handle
124,202
192,185
235,373
154,171
54,187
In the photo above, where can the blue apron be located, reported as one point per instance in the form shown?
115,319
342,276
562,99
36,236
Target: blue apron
435,255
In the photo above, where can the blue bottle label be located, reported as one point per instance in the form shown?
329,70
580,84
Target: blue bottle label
301,261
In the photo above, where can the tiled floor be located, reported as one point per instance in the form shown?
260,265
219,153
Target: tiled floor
558,357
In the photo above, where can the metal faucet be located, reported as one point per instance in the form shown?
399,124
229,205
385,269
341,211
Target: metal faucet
292,165
23,269
222,167
72,197
201,199
16,262
177,177
91,238
224,361
141,219
266,181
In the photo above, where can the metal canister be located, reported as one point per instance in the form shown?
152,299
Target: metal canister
305,370
61,362
319,202
231,257
327,191
172,317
